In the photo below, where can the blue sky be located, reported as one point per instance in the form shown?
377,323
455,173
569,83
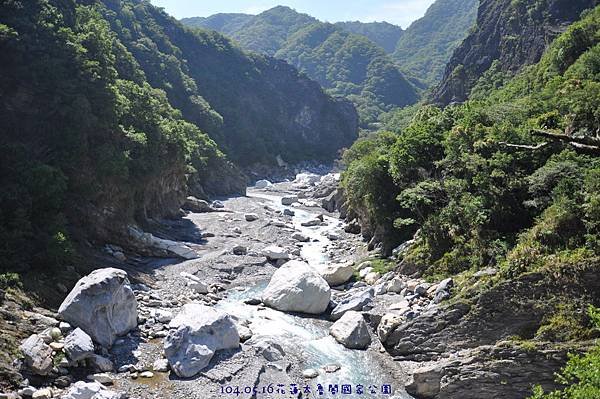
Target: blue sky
399,12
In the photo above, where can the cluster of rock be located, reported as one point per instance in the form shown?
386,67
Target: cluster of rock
101,307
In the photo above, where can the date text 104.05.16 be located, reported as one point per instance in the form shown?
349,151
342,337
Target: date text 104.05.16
327,390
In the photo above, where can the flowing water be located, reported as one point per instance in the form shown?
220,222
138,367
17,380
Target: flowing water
310,336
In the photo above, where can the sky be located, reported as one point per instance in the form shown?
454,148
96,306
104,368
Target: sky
399,12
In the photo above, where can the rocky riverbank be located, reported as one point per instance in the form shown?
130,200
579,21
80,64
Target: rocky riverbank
276,294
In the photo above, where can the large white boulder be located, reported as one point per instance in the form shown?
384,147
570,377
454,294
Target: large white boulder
296,287
337,274
197,333
102,304
351,331
307,179
38,355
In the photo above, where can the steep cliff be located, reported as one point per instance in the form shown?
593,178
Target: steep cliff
508,36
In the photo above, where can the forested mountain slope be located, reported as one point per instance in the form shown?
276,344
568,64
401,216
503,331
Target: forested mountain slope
384,34
427,44
508,35
502,194
226,23
346,64
107,108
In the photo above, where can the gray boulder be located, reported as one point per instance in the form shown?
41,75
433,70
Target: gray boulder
262,184
90,390
356,302
196,205
296,287
197,333
289,200
102,304
78,345
351,331
38,355
337,274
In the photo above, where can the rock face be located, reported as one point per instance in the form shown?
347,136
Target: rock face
38,355
355,302
509,35
196,334
337,274
351,331
78,345
296,287
102,304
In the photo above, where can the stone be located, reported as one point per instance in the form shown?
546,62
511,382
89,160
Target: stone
421,289
333,236
356,302
487,272
240,250
245,333
55,333
275,253
289,212
218,205
251,217
395,285
426,382
196,334
262,184
300,237
90,390
101,363
445,285
365,265
44,393
57,346
101,378
353,227
268,348
196,205
312,223
331,368
38,355
27,391
289,200
65,327
387,324
146,374
296,287
78,345
401,305
310,373
351,331
364,271
103,305
372,278
337,274
160,365
163,315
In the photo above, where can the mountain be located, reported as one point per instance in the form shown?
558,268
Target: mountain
384,34
508,36
113,112
349,65
345,63
225,23
500,195
427,44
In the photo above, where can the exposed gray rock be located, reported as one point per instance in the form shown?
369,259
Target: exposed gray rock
289,200
262,184
274,252
102,304
337,274
296,287
351,331
197,332
356,302
300,237
194,204
90,390
78,345
251,217
240,250
38,355
387,324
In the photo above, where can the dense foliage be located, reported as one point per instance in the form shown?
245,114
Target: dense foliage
78,134
427,44
581,375
346,64
384,34
477,201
